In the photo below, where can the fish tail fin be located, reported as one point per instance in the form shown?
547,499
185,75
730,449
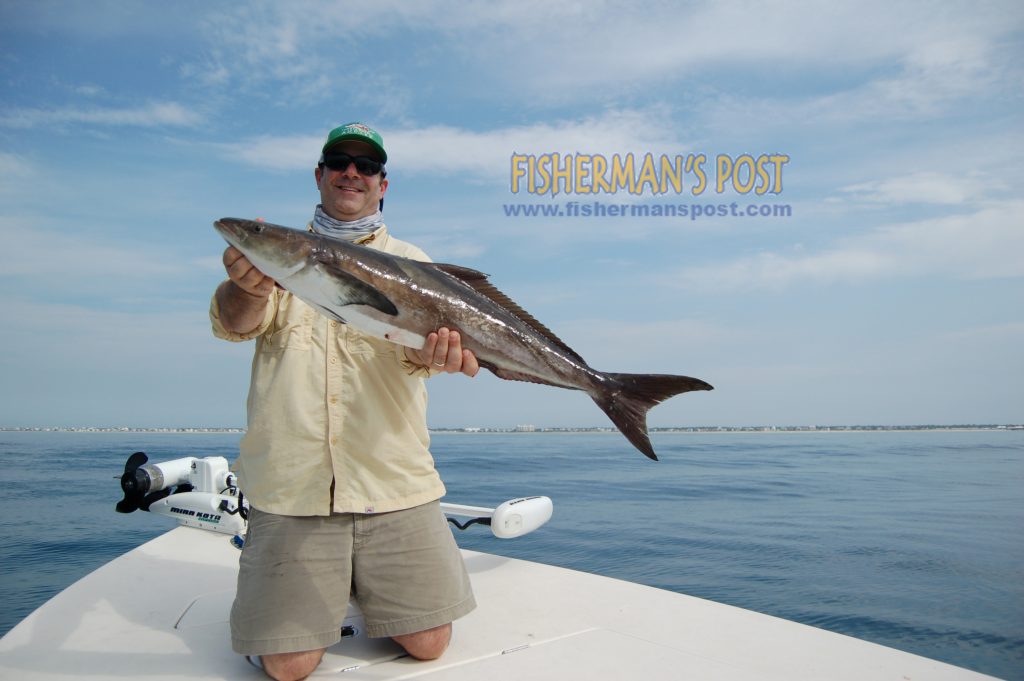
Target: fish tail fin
630,397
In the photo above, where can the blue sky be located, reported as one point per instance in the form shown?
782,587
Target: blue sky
893,293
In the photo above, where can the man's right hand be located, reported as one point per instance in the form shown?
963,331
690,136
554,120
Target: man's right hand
243,298
245,275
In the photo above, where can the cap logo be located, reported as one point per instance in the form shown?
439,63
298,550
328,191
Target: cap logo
359,132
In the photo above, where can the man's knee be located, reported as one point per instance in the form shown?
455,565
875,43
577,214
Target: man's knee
291,666
427,645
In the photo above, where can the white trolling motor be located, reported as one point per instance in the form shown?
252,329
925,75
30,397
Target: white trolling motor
206,496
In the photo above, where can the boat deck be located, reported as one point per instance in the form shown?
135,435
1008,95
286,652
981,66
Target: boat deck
161,612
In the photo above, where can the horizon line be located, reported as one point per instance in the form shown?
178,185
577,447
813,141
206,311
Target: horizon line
529,428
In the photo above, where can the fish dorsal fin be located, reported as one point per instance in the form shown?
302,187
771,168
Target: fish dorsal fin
479,282
466,274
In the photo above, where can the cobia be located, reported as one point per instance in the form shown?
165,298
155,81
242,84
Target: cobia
403,300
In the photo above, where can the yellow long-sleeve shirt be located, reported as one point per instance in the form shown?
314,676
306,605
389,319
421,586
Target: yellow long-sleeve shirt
336,418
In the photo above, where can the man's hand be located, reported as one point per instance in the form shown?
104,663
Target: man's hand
443,352
243,298
245,275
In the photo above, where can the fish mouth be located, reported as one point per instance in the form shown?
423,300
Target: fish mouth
271,248
223,226
235,230
228,227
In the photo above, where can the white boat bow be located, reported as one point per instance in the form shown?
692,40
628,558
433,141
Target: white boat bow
161,612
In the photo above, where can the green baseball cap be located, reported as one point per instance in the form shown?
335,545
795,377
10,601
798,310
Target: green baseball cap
359,132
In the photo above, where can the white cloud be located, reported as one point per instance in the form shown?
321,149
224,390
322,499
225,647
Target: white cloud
664,345
895,57
154,114
289,152
950,77
983,244
447,149
89,90
561,51
14,167
928,187
1011,332
78,262
927,81
444,149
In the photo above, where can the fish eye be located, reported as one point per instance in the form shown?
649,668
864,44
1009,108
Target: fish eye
258,227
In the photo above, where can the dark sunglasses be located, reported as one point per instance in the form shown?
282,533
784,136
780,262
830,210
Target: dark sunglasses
364,164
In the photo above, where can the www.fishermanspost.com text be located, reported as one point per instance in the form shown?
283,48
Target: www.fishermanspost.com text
692,211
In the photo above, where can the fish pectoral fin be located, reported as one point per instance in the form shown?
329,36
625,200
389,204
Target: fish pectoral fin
346,289
330,314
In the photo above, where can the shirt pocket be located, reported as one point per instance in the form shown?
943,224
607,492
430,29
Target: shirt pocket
359,344
292,328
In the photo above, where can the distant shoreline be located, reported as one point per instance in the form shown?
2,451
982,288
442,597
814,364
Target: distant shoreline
101,429
533,430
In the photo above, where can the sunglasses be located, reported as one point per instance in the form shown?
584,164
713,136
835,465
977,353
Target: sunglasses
364,164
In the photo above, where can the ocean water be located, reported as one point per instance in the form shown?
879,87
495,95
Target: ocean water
914,540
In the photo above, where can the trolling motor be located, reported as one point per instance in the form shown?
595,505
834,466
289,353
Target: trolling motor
206,496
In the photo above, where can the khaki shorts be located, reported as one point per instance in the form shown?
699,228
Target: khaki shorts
296,574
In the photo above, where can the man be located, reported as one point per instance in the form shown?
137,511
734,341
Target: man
335,461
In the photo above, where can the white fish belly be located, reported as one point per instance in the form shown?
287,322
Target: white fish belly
370,323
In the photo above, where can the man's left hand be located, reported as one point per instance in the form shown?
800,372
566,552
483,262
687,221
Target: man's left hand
443,351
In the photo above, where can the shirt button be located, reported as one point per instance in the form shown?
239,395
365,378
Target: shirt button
334,323
334,360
